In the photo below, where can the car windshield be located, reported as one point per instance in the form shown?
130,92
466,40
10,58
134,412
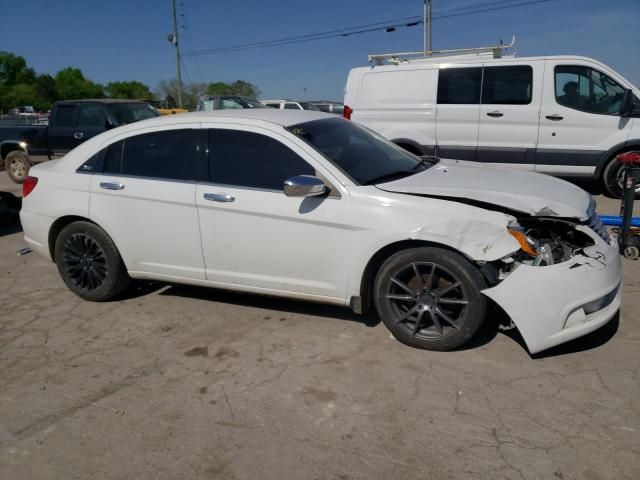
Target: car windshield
250,103
309,106
364,156
132,112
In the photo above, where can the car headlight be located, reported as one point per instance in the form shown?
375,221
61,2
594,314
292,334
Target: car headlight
527,244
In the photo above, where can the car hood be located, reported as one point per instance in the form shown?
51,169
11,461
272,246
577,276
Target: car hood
535,194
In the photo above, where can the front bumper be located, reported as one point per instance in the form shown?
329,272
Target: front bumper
552,305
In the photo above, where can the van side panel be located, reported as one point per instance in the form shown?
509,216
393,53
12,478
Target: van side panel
398,104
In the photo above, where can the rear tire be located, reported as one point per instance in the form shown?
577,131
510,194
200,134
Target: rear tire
430,298
17,165
89,262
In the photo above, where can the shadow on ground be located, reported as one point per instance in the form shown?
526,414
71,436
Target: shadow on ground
590,341
140,289
9,218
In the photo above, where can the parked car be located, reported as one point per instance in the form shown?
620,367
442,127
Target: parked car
308,205
23,111
289,105
208,103
561,115
71,122
329,106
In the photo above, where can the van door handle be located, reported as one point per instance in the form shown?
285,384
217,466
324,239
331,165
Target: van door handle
111,186
495,114
78,135
219,197
554,117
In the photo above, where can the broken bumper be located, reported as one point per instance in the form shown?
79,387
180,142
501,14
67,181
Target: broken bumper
552,305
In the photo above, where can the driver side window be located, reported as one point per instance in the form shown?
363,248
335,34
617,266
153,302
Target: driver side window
251,160
586,89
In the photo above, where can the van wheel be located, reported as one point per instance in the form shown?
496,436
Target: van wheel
89,262
17,164
612,179
430,298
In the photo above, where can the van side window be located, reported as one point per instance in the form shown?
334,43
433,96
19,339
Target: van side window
459,85
586,89
510,85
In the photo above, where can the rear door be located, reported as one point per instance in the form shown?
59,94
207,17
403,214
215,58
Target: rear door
143,196
458,112
509,114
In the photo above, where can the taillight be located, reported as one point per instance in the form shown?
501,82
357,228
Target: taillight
28,184
346,113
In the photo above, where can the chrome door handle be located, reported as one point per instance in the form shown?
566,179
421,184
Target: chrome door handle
78,135
219,197
111,186
555,118
495,114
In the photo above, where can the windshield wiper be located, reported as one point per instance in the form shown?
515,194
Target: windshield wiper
424,161
387,177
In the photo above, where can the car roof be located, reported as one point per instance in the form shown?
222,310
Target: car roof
99,100
279,117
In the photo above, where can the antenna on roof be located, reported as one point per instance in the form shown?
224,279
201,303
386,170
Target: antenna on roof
395,58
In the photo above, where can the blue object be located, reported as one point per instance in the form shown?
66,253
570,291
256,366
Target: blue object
613,221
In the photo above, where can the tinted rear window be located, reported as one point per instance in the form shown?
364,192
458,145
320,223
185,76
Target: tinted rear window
459,85
507,85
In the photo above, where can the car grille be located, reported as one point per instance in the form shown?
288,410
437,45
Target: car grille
595,223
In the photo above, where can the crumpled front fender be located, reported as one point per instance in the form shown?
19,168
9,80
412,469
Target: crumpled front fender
478,240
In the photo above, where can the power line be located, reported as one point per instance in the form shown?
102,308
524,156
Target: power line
298,37
347,31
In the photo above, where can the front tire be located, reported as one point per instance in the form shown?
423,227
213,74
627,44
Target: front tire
612,179
17,165
89,262
430,298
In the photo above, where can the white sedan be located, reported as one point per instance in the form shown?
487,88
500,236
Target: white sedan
312,206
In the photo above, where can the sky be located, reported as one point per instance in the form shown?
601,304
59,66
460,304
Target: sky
112,40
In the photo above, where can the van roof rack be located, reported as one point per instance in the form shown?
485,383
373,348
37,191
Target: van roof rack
396,58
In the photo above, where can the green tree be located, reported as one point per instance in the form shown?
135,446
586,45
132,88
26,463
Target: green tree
71,84
239,87
14,70
21,94
132,89
45,87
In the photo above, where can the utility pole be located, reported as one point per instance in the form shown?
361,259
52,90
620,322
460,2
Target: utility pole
430,45
173,38
427,26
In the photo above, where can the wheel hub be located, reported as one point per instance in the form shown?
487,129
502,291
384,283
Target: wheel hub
427,301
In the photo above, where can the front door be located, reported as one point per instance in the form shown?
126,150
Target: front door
458,112
143,196
255,237
509,114
580,118
61,129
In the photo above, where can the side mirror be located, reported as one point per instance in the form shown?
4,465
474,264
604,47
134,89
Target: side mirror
626,109
304,186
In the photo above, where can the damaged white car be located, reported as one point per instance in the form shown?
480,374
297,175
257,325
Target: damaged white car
307,205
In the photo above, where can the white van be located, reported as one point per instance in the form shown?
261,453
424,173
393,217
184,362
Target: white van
562,115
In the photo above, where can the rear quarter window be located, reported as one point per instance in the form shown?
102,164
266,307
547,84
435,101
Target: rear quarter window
403,87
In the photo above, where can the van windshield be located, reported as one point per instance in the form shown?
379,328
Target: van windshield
362,155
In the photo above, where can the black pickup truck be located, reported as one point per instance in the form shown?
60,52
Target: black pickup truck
71,122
